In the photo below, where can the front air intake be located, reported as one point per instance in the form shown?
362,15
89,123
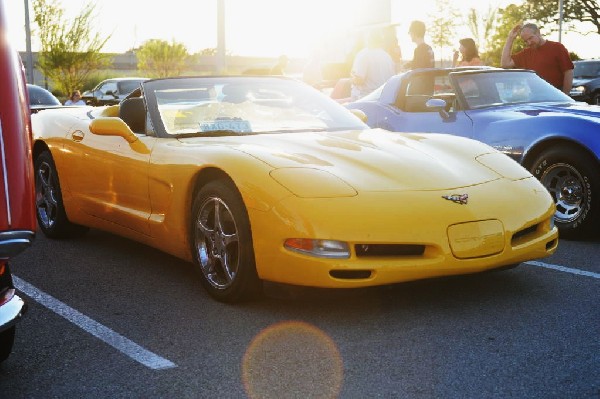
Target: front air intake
380,250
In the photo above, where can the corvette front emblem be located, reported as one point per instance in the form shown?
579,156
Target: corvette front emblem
457,198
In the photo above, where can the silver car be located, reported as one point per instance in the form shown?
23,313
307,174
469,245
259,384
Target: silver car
111,91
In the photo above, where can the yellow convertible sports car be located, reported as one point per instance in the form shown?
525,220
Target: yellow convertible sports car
266,179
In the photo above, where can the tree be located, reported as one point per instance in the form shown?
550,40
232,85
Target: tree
159,58
70,51
574,11
481,26
443,23
509,17
208,51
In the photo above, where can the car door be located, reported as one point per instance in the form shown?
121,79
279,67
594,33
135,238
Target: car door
411,114
108,176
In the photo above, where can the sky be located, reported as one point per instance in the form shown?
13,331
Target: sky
258,27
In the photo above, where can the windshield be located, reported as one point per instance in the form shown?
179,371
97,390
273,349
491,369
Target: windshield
242,105
586,69
127,86
40,96
506,87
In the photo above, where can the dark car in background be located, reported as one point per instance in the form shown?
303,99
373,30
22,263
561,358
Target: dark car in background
17,206
586,81
40,98
111,91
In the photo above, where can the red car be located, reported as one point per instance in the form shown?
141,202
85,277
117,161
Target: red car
17,206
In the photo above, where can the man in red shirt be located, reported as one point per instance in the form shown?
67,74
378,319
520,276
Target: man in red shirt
550,60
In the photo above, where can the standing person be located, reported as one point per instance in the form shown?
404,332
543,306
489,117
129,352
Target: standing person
550,60
75,99
469,54
423,56
372,67
390,44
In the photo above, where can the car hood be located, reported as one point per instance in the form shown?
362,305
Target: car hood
580,109
582,81
378,160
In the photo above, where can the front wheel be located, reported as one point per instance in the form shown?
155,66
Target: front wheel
571,178
222,243
50,210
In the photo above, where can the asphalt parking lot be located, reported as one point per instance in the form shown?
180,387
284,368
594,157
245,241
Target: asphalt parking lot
109,317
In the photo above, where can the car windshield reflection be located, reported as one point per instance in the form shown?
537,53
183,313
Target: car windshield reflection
233,106
482,90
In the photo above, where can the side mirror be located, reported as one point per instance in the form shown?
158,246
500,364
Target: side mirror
439,105
112,126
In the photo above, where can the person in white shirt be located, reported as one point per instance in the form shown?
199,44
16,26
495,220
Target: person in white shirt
75,99
372,67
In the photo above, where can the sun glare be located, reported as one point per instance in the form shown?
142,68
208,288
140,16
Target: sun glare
265,28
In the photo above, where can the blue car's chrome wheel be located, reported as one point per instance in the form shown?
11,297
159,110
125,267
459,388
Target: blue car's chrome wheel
570,177
567,187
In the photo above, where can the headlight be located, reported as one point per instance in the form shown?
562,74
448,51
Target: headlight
318,248
579,90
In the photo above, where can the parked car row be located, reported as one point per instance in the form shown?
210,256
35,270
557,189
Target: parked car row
111,91
514,111
107,92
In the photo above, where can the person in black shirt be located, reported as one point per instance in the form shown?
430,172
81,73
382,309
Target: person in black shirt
423,56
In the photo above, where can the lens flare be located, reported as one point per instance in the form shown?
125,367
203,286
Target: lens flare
292,359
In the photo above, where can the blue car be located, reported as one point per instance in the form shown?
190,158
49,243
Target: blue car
555,137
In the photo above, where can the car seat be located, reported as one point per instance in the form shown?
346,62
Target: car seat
133,113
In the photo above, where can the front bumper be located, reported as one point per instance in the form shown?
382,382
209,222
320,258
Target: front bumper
441,238
12,308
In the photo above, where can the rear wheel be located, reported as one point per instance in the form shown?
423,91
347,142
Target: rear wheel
570,176
50,210
222,243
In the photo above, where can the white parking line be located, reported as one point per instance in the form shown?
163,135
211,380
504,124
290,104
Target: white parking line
564,269
117,341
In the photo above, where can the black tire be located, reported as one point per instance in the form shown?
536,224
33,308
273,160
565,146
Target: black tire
221,241
596,99
571,177
50,210
7,339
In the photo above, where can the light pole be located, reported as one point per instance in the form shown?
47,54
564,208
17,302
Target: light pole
221,65
28,45
560,20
